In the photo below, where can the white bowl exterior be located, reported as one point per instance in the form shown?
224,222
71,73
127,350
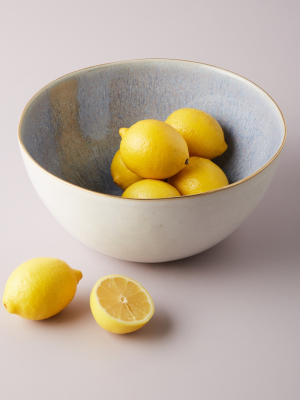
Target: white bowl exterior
149,230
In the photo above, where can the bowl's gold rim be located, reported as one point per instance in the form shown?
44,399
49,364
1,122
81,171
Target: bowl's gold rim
157,199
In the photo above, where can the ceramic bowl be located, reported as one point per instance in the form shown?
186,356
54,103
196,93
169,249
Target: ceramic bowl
68,135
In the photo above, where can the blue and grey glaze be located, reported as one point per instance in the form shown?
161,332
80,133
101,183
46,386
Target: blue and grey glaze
70,128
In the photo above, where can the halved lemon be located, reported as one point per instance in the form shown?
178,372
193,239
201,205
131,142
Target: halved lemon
120,304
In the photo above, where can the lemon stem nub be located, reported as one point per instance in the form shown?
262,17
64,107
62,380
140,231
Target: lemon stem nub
78,275
9,306
122,131
186,161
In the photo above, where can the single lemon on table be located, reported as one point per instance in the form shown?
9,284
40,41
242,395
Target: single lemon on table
202,133
120,304
121,175
201,175
153,149
150,189
40,288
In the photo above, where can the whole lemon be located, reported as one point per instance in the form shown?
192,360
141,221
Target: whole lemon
40,288
203,134
150,189
153,149
121,174
201,175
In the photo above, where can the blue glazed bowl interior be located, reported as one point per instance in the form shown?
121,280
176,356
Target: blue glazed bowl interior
70,128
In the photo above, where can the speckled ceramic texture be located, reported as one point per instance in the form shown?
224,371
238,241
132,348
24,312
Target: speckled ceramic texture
68,136
71,127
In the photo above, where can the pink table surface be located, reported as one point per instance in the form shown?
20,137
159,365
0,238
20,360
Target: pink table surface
226,324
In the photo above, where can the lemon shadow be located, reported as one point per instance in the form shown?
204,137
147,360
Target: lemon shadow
77,309
159,326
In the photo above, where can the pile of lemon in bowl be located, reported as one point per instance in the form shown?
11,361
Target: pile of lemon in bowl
168,159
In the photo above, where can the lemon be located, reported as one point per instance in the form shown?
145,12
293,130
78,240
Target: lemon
201,175
40,288
203,134
150,189
121,174
122,131
120,304
153,149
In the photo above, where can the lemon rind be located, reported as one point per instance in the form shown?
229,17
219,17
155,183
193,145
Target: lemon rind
120,321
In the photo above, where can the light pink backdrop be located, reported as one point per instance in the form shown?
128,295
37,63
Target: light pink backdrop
227,324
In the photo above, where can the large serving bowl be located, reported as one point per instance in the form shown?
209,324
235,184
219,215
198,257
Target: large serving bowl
68,136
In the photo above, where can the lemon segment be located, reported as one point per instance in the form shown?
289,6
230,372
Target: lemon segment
121,174
150,189
153,149
120,304
202,133
40,288
201,175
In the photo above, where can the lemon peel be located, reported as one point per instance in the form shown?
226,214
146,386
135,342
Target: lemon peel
40,288
201,175
153,149
202,133
150,189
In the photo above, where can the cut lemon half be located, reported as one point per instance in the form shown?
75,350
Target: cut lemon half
120,304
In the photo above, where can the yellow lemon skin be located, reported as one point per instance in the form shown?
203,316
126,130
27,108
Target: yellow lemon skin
121,175
112,323
203,134
122,131
150,189
153,149
40,288
201,175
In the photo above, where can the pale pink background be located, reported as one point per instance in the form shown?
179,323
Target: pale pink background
226,325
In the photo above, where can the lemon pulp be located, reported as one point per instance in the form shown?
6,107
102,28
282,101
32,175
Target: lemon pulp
120,304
